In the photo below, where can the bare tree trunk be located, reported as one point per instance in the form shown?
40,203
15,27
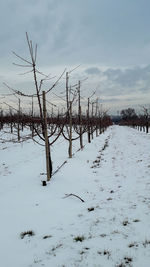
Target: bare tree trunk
70,130
1,124
18,126
88,122
67,92
147,127
32,123
81,134
47,146
11,128
92,122
11,124
80,117
96,117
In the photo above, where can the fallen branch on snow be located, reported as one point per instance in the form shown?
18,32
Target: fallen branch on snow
69,195
59,167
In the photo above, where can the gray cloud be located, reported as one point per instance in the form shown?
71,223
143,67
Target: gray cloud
145,90
91,33
78,31
93,71
130,85
118,100
126,81
129,77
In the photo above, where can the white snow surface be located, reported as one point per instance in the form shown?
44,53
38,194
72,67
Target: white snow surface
110,228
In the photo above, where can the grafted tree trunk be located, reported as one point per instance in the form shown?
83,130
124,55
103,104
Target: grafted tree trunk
80,117
18,126
70,130
88,122
81,132
47,146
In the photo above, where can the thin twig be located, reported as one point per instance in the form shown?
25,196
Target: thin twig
23,59
69,195
59,167
55,82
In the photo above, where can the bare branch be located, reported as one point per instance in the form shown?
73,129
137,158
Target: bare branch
27,72
35,55
59,167
56,82
69,195
51,103
30,49
74,69
19,65
23,59
38,134
37,142
57,136
59,97
10,106
19,92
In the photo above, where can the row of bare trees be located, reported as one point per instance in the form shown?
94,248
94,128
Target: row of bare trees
141,121
48,128
71,127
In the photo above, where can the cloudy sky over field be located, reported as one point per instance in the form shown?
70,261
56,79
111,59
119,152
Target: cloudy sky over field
109,38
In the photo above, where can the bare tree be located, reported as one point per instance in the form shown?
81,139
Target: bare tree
40,94
146,117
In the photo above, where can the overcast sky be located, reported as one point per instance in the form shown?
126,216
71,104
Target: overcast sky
109,38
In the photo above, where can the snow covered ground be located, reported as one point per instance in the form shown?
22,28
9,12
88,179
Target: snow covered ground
110,228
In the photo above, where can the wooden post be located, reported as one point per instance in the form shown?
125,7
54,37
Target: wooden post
80,117
88,122
70,130
11,124
96,117
18,126
92,120
67,91
32,124
100,124
81,132
1,123
47,149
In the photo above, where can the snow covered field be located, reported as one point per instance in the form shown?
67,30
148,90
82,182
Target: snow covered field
110,228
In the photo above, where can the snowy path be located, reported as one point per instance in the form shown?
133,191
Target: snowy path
111,228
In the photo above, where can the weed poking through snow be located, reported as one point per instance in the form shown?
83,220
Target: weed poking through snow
79,238
27,233
91,209
47,236
105,253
